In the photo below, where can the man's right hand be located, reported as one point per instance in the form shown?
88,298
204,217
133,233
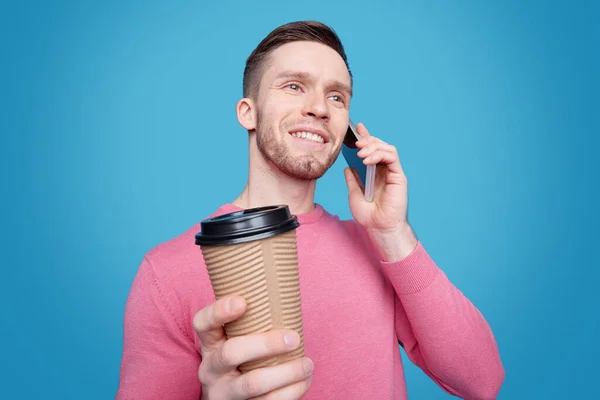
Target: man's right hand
221,357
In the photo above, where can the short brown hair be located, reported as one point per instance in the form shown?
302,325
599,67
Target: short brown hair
312,31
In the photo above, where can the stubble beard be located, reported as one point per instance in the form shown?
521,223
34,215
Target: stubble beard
273,148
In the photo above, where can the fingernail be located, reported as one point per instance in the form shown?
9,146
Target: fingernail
291,340
233,304
308,365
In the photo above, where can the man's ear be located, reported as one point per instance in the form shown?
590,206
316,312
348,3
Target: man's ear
246,113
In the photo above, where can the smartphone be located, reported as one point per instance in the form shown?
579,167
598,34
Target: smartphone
366,173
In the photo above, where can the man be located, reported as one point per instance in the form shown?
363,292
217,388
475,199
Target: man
367,284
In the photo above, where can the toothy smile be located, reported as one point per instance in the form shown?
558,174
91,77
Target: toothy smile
308,136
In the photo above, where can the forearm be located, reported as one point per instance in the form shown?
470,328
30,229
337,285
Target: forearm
454,342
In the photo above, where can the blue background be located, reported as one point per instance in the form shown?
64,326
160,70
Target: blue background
119,132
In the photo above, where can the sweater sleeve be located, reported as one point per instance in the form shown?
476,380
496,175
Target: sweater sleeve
159,358
441,331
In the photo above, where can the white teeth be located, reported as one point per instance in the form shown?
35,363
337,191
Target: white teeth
309,136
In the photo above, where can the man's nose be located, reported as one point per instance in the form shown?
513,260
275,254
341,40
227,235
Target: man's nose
316,106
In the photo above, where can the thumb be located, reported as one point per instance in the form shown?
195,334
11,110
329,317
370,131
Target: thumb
354,187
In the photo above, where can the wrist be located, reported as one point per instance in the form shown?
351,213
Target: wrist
395,244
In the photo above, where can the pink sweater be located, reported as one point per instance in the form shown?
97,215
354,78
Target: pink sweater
356,310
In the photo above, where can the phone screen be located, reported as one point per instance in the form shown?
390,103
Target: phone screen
350,152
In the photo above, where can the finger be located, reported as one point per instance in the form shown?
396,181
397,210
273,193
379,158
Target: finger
358,179
372,145
352,179
366,141
354,185
294,391
241,349
375,145
387,157
208,322
381,156
362,130
264,380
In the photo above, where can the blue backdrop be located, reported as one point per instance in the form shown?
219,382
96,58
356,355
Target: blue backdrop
119,132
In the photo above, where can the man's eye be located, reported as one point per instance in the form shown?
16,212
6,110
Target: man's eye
293,86
337,98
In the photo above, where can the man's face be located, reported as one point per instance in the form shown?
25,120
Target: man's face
302,108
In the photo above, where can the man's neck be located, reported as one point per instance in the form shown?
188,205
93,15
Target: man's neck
269,186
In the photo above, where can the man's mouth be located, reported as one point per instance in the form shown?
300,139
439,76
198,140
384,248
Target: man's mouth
313,137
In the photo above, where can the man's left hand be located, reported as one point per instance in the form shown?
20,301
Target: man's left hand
385,217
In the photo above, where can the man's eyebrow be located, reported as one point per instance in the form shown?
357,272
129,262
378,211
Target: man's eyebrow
294,74
305,76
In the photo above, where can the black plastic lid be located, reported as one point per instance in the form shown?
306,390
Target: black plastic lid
246,225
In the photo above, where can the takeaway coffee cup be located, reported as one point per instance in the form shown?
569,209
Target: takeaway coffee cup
253,253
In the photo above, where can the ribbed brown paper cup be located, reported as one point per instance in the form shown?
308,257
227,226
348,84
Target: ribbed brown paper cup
253,253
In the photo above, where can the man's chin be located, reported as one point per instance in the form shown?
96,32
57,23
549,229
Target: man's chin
306,172
306,176
301,167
